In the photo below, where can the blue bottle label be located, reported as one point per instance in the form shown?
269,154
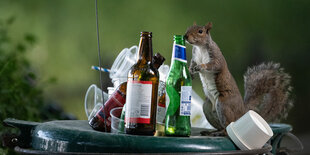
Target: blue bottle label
179,52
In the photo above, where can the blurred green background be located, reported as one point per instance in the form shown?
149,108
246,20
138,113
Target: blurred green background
248,33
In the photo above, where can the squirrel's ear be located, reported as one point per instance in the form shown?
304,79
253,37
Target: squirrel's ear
194,23
208,27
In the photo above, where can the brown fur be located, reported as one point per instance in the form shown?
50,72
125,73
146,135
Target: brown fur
267,91
267,86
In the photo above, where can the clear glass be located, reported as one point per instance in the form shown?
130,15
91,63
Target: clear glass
117,124
93,100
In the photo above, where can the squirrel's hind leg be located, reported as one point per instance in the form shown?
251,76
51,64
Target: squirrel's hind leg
211,114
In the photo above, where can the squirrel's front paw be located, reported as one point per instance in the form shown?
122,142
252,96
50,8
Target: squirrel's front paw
191,70
196,68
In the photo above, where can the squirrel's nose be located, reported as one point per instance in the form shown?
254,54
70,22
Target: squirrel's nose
185,37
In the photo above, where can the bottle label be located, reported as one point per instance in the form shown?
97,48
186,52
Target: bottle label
161,103
138,100
116,100
161,113
101,117
185,104
179,52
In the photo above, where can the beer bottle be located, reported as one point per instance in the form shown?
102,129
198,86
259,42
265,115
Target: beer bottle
161,109
142,89
178,89
158,60
161,101
102,120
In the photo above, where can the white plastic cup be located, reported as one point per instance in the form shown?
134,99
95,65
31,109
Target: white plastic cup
93,100
122,64
115,119
249,132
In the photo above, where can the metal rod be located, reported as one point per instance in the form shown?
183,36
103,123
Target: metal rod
100,65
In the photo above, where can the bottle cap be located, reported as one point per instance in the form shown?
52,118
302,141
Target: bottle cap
249,132
146,34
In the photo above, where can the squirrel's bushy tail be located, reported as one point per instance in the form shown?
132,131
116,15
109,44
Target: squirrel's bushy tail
267,91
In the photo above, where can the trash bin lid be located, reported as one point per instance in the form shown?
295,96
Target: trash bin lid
78,136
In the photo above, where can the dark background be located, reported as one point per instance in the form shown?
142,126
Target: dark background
248,33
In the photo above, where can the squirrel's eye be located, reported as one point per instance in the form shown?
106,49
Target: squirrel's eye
200,31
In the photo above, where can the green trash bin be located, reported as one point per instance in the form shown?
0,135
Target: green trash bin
77,137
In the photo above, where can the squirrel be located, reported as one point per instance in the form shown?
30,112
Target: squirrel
267,86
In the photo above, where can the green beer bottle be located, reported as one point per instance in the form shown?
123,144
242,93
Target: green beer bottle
178,89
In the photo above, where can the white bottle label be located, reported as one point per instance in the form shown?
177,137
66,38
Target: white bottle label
185,101
138,101
161,114
161,103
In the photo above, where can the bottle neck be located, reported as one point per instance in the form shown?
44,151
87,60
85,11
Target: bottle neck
156,65
158,60
145,47
178,39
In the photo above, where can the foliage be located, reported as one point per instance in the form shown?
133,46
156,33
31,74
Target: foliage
20,95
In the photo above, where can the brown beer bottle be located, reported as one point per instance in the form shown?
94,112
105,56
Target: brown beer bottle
102,120
142,89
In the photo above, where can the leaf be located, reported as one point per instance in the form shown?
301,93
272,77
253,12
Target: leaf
52,80
32,75
30,38
20,47
10,20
